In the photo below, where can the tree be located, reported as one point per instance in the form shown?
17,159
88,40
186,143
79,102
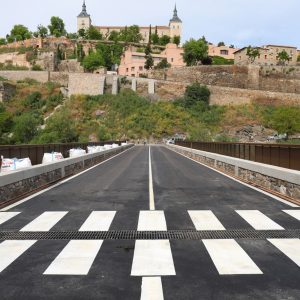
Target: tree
114,36
196,93
176,40
155,37
93,61
286,120
283,58
195,51
231,46
81,32
164,40
2,41
252,53
20,33
42,31
163,64
131,34
298,59
6,123
57,27
110,53
149,59
93,34
26,128
221,44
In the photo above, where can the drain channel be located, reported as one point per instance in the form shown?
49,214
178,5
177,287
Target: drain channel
150,235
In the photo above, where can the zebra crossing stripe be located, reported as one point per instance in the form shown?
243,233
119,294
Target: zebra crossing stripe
290,247
5,216
152,289
45,221
152,221
258,220
152,258
293,213
76,258
229,258
11,250
98,221
205,220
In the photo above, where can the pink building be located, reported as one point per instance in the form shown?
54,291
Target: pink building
133,62
222,51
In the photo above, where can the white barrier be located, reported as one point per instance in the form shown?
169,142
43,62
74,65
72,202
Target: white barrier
51,157
14,164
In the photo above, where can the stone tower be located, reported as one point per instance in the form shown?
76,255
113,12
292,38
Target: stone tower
175,25
83,20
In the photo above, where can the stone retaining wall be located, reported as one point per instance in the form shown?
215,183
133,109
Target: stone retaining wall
280,180
18,183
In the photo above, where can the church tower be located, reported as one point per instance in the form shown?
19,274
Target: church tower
83,20
175,25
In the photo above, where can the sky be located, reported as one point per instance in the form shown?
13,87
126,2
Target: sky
237,22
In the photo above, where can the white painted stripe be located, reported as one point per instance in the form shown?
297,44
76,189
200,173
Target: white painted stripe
151,191
5,216
98,221
152,221
290,247
11,250
60,183
258,220
293,213
229,258
205,220
45,221
152,258
241,182
152,289
76,258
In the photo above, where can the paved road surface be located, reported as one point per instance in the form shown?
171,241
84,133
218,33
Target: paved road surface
184,196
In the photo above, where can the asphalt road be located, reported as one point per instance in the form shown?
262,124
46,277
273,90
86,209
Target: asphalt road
114,196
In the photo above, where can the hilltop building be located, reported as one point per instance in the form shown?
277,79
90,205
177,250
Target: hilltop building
268,55
173,29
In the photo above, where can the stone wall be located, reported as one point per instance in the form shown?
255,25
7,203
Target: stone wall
70,66
7,91
40,76
84,83
15,59
276,179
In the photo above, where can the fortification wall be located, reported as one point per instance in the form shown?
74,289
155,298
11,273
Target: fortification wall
7,91
84,83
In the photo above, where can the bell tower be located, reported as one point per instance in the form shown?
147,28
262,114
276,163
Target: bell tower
175,24
83,20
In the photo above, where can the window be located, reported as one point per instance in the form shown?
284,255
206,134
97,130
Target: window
172,59
127,70
141,68
132,75
224,52
240,58
173,26
266,56
132,69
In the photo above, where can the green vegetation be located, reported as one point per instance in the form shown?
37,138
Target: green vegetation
93,61
163,64
221,44
57,27
176,40
195,51
149,63
283,58
92,34
252,53
218,60
298,59
11,67
42,31
18,33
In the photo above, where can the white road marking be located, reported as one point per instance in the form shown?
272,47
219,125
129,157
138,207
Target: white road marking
229,258
76,258
5,216
11,250
241,182
258,220
205,220
151,191
45,221
60,183
152,289
152,221
293,213
152,258
290,247
98,221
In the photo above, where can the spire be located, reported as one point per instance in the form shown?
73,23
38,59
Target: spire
83,12
175,16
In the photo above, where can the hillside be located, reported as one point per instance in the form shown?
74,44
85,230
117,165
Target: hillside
129,116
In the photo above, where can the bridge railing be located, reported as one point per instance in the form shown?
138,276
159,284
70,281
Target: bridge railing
36,152
281,155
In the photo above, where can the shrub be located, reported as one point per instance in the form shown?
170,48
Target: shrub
36,68
195,93
34,101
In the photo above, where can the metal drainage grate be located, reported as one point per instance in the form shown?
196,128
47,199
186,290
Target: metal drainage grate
150,235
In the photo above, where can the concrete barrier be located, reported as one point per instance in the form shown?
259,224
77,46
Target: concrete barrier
18,183
277,179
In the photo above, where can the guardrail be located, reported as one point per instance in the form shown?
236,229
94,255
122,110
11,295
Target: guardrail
281,155
36,152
